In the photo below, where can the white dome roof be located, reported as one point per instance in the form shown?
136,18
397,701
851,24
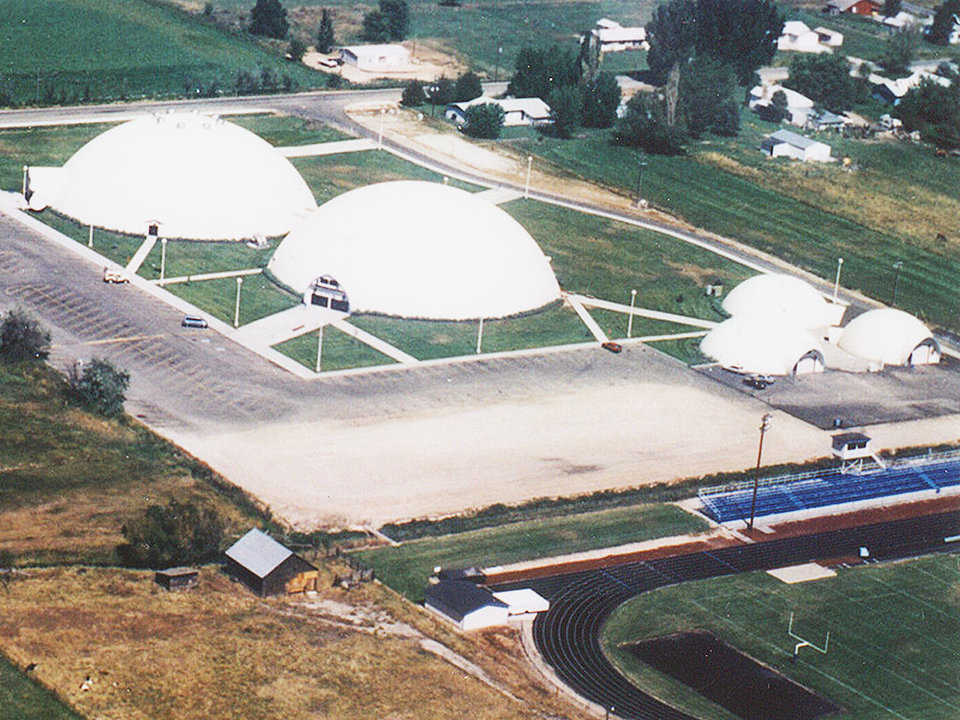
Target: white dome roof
200,177
751,345
885,335
781,298
419,249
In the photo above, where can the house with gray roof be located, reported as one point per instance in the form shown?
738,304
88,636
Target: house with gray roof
784,143
263,564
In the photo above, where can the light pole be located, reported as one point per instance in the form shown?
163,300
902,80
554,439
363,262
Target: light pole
480,337
526,187
764,426
836,283
380,134
641,164
633,296
319,346
90,237
163,258
236,309
898,266
496,72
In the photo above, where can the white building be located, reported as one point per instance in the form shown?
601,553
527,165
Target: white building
516,111
798,105
377,58
782,300
418,250
829,38
613,37
798,37
523,602
196,176
892,91
755,345
887,336
784,143
466,605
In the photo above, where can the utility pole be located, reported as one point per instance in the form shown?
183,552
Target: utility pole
641,164
764,426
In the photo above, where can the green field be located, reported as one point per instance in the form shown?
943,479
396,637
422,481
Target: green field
284,130
340,351
802,217
259,297
57,51
894,635
49,146
407,567
23,699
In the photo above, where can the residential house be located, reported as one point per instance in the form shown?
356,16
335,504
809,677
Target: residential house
516,111
784,143
820,119
798,105
611,36
854,7
797,37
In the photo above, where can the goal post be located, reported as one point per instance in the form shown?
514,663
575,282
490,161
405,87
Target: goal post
804,643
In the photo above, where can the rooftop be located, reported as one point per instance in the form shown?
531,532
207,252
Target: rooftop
258,552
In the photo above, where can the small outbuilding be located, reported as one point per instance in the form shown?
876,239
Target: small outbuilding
177,578
613,37
523,602
784,143
264,565
376,58
467,605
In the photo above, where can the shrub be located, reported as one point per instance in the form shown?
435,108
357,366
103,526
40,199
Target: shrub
99,387
177,534
467,87
22,338
296,50
413,94
269,18
484,121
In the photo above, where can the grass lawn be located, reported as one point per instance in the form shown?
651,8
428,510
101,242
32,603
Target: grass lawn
283,130
332,175
686,350
118,247
614,324
894,634
340,351
71,479
258,297
191,258
111,49
407,567
429,339
23,699
49,146
797,217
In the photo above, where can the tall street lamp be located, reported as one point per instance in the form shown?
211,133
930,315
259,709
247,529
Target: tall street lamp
836,283
641,164
764,426
633,296
898,266
236,309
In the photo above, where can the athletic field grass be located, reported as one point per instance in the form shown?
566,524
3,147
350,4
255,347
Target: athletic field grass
74,50
71,479
807,215
340,351
407,567
894,634
23,699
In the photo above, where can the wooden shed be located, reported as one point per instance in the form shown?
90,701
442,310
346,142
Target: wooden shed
177,578
266,566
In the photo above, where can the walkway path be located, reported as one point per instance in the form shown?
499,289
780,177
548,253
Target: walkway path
285,325
141,254
642,312
591,324
499,195
376,343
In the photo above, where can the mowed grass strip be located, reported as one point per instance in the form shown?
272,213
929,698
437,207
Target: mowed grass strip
894,633
407,567
258,297
71,479
340,351
43,146
23,699
286,130
185,257
110,49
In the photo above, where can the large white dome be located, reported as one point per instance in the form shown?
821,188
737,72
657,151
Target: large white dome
419,249
752,346
890,337
201,177
781,299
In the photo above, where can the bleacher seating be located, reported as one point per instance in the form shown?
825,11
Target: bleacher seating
830,488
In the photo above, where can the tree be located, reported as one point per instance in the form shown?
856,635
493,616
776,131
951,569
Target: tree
601,98
441,92
706,90
934,110
22,338
269,18
325,38
944,20
467,87
645,125
296,50
376,28
566,104
100,387
539,70
672,34
397,15
900,49
413,94
891,7
484,121
175,534
825,79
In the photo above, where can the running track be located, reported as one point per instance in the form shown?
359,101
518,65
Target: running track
568,635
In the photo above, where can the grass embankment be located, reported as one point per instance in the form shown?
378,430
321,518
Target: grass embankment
340,351
286,130
71,479
58,51
894,634
809,215
407,567
273,659
23,699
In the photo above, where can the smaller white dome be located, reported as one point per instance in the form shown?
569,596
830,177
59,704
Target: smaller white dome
754,346
780,298
889,336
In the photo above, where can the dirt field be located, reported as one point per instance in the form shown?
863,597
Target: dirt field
219,652
427,64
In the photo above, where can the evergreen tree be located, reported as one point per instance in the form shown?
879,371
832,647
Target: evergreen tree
944,20
601,98
375,27
397,15
325,37
566,104
467,87
269,18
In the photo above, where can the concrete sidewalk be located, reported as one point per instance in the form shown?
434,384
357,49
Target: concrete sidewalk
595,330
285,325
642,312
376,343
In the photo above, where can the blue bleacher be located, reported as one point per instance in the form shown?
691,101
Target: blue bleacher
830,488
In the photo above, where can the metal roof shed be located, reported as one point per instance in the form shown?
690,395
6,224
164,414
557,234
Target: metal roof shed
263,564
470,607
